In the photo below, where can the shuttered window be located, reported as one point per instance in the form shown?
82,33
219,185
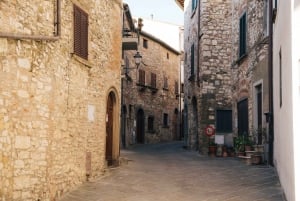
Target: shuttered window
80,32
192,60
151,123
224,121
194,4
176,88
141,77
243,35
153,80
166,86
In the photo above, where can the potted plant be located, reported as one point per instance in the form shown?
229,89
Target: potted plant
239,147
212,148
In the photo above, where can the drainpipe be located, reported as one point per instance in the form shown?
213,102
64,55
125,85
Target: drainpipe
57,27
270,75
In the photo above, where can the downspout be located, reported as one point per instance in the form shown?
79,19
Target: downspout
270,74
57,33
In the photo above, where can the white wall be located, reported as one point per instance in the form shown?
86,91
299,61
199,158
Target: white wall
296,93
283,116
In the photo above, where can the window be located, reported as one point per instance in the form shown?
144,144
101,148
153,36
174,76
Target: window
80,32
141,77
153,80
151,123
194,4
165,120
224,121
280,78
243,35
145,43
176,88
167,55
165,82
192,60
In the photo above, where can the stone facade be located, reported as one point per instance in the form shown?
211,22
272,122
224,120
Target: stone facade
53,112
207,67
250,71
151,112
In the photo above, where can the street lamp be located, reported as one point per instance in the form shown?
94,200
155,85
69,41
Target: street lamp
137,59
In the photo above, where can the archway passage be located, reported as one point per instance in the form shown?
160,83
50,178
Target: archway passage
109,129
140,128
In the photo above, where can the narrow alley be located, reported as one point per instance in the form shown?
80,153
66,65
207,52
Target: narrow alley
164,172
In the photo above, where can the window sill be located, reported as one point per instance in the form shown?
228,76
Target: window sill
81,60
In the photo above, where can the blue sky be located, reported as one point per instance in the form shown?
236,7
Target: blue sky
162,10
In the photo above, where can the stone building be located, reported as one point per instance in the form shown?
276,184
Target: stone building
150,91
208,54
59,95
250,68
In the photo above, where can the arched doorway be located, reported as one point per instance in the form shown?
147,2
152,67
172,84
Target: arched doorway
110,120
140,127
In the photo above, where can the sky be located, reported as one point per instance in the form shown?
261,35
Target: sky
162,10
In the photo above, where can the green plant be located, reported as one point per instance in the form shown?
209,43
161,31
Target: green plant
241,141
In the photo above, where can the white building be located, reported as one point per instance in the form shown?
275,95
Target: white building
286,80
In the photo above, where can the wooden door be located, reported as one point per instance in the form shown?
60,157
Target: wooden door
140,128
109,129
243,124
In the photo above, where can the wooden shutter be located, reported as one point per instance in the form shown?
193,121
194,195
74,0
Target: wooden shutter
166,83
243,35
142,77
153,80
192,59
80,32
176,88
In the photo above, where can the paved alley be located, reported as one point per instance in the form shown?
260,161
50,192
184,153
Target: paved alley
167,172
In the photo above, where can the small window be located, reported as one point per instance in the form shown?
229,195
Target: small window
141,77
165,83
145,43
176,88
167,55
80,32
153,80
243,35
224,121
194,4
192,60
151,123
166,120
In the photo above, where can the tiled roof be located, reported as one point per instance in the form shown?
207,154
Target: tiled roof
180,3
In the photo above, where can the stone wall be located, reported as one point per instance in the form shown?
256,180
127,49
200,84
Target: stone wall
52,102
210,89
154,102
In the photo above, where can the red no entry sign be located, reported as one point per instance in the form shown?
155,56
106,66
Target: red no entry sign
209,131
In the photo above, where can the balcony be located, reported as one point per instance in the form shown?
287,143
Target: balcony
129,40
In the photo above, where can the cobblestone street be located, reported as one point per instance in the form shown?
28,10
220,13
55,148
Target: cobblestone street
167,172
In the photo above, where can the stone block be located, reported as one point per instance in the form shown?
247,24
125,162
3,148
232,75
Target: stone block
22,142
24,63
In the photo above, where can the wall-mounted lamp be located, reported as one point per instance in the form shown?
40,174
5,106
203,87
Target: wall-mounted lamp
137,59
